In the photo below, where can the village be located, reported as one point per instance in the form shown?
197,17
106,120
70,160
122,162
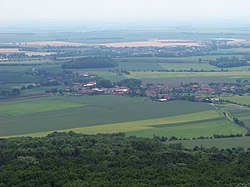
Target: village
159,92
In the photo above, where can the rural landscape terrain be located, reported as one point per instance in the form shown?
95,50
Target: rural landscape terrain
183,90
134,93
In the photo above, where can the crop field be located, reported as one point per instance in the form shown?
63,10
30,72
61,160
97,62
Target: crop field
26,62
154,43
22,73
162,126
188,59
188,66
30,107
29,53
221,143
142,75
175,77
107,114
206,128
238,99
234,51
140,66
175,63
242,114
13,73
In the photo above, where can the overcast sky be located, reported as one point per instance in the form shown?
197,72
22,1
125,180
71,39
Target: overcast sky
115,10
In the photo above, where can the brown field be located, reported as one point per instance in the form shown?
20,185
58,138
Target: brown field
29,53
9,50
51,43
154,43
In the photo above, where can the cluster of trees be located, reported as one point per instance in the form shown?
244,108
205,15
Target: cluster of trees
10,92
13,56
70,159
228,62
54,91
29,86
104,83
90,62
130,83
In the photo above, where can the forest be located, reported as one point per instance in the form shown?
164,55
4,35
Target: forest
71,159
225,62
90,62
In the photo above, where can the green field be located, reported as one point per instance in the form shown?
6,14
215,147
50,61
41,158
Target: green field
234,51
206,128
177,77
152,75
174,63
191,125
140,66
188,66
187,59
221,143
35,107
27,62
108,114
241,112
238,99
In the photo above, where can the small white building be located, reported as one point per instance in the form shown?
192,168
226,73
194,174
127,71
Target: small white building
162,100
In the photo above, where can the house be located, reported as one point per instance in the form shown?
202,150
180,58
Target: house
121,90
215,99
90,84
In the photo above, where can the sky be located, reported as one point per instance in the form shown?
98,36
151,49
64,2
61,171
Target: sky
123,10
